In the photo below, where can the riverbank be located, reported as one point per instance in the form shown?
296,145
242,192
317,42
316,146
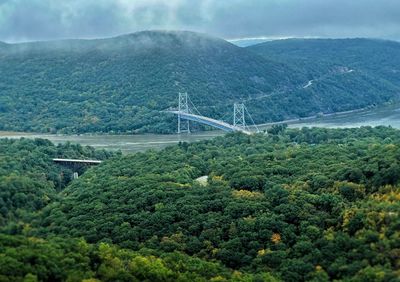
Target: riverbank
388,115
314,117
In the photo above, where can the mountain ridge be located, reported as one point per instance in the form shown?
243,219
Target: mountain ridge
121,84
151,37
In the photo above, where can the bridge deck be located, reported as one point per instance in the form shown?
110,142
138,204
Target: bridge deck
77,161
211,122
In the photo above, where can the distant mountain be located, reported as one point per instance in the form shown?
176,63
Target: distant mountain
122,84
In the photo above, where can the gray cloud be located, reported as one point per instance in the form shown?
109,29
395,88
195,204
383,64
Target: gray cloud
26,20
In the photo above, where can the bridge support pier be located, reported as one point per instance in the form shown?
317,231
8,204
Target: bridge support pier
238,116
183,124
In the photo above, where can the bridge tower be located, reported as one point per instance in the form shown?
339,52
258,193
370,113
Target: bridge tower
238,115
183,125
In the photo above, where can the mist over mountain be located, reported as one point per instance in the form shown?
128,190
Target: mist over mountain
122,84
245,42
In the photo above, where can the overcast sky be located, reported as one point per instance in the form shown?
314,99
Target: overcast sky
27,20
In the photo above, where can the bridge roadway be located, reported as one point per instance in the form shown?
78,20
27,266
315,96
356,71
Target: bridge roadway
74,161
211,122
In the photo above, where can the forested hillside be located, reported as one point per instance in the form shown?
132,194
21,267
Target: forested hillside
375,57
323,61
296,205
123,84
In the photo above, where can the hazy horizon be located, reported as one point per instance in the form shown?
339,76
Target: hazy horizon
242,42
39,20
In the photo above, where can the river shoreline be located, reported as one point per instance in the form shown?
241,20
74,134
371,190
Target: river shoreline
314,117
388,115
268,124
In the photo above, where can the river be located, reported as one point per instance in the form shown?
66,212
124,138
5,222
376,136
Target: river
388,115
385,115
125,143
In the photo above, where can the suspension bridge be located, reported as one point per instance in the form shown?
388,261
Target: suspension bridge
186,114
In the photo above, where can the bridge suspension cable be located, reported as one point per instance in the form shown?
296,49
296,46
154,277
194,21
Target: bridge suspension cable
251,118
194,107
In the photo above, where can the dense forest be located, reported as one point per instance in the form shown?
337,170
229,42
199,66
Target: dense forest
124,84
29,179
293,205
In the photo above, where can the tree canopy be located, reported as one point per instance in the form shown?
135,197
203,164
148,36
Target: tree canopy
295,205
